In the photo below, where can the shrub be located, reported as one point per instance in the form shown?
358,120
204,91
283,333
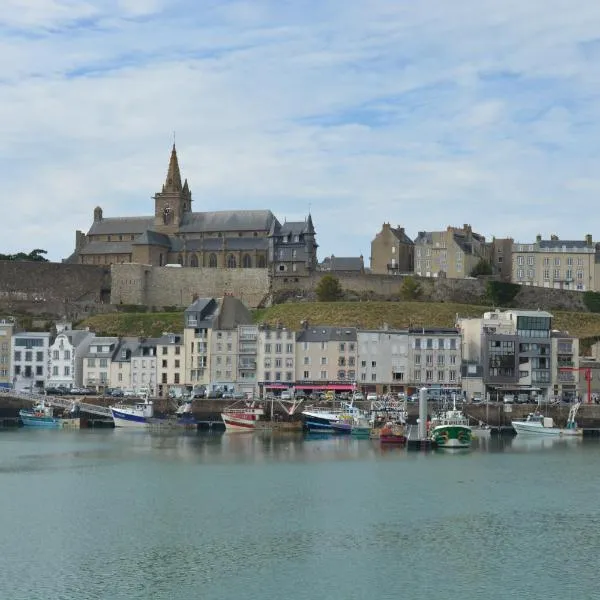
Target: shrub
592,301
483,267
501,293
329,289
410,290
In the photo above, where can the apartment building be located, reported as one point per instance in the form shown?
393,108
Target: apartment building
143,366
120,365
247,336
452,253
30,360
170,363
97,362
392,251
383,361
6,331
434,356
326,358
275,359
564,353
559,264
508,353
66,356
211,341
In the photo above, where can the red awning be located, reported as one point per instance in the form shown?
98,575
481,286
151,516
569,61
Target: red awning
276,386
336,387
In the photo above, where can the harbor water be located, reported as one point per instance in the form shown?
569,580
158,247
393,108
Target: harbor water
112,514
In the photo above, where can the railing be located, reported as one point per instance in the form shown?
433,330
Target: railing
60,402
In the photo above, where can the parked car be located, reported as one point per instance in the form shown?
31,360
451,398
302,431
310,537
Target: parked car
239,396
129,393
372,397
56,391
286,395
116,393
227,396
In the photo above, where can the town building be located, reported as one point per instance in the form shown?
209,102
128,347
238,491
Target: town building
346,264
143,366
175,234
30,360
558,264
501,258
588,377
120,365
97,363
326,358
564,352
66,356
247,336
507,353
383,365
453,253
275,359
392,251
434,356
170,364
211,341
6,331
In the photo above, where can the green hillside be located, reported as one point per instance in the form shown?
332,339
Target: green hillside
360,314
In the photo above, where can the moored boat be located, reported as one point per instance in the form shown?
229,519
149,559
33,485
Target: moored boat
41,416
138,415
361,429
392,433
451,429
537,424
242,418
320,420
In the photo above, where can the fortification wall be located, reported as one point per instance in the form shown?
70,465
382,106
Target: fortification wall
464,291
170,286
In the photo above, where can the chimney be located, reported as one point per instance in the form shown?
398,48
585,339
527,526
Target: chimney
385,226
79,240
538,237
554,237
588,240
401,230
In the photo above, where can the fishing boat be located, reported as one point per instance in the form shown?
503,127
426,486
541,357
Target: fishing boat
240,418
392,433
343,425
361,428
138,415
451,429
40,415
320,419
537,424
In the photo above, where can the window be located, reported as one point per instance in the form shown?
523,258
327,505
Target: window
91,362
342,347
580,262
55,355
363,363
429,359
341,361
417,375
177,364
247,261
569,274
176,377
289,348
278,348
267,375
307,360
55,371
229,347
17,357
440,360
277,363
165,350
306,374
323,360
373,363
556,273
520,273
546,274
28,356
453,359
351,361
212,260
103,363
268,348
440,376
164,364
289,363
177,350
67,371
277,376
520,260
267,363
288,376
579,274
417,359
452,376
428,375
324,375
530,261
39,370
39,356
546,262
569,262
417,343
557,262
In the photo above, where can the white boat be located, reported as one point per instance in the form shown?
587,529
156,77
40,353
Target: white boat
240,419
451,429
537,424
138,415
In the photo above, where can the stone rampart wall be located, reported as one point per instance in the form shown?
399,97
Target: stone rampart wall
171,286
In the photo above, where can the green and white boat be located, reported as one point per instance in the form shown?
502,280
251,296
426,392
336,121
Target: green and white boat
451,429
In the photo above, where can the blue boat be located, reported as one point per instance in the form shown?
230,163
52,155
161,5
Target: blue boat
139,415
39,416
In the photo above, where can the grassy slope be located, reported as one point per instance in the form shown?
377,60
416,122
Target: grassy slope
361,314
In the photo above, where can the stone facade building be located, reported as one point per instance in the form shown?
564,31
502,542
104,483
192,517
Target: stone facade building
6,330
559,264
392,251
30,360
452,253
248,239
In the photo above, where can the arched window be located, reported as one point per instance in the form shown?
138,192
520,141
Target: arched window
261,262
212,261
231,264
193,261
247,262
180,260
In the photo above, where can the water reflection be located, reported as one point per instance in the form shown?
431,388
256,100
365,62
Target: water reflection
525,443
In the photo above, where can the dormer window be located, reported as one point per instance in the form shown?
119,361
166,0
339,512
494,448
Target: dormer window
296,238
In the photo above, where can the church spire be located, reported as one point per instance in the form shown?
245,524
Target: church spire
173,181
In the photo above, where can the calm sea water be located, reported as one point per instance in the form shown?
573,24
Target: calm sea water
127,515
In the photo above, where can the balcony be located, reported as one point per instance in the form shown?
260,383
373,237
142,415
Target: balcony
393,267
566,377
247,348
247,364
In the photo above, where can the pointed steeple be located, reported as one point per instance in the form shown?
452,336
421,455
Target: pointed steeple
309,224
173,181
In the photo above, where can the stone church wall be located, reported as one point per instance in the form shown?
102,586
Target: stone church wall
172,286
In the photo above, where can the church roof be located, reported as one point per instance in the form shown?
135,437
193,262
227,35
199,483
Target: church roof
123,225
107,248
227,220
216,244
152,238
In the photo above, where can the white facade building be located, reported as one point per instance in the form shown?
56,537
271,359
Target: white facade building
65,356
246,362
275,359
143,367
30,360
97,362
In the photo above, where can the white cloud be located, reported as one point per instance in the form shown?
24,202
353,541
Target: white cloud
423,114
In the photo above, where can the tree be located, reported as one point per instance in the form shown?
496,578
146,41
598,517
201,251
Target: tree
329,289
35,256
483,267
410,290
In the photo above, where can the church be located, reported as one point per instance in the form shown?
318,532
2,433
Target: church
247,239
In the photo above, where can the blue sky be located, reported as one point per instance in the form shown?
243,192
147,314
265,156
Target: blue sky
424,114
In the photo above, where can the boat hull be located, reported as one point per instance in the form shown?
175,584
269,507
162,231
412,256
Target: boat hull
525,427
341,427
319,422
239,423
392,439
124,419
452,436
31,420
361,432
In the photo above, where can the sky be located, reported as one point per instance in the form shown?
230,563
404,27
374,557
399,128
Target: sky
422,114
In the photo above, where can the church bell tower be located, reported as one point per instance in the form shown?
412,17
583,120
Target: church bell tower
171,204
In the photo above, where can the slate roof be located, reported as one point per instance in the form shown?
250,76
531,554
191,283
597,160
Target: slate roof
107,248
322,333
129,346
152,238
424,237
342,263
76,336
401,236
116,225
165,340
551,244
203,311
464,243
102,341
227,220
216,244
